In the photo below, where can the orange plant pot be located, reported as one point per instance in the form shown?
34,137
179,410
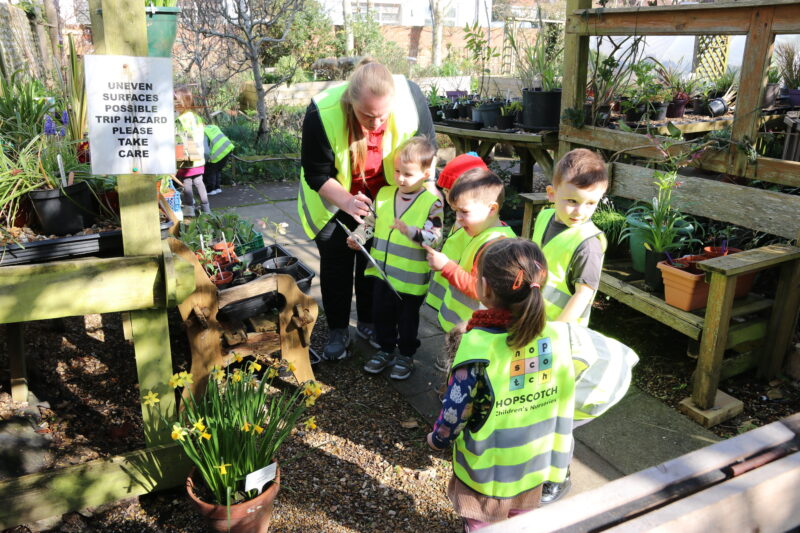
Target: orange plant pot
687,290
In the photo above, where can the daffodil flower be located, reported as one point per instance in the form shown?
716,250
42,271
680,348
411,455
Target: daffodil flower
238,357
312,389
272,373
223,470
178,432
217,374
151,398
186,377
310,401
311,423
291,367
258,429
206,435
199,426
237,376
254,366
175,381
246,427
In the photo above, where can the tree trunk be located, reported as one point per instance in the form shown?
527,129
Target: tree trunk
436,32
349,40
261,105
54,29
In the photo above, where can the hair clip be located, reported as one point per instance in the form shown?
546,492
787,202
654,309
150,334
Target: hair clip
518,280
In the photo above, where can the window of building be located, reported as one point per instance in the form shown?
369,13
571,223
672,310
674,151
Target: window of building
381,12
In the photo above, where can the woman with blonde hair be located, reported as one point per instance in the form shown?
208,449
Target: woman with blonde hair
350,135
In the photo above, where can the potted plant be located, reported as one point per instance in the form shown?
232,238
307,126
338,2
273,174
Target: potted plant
162,26
232,432
436,102
610,73
539,66
681,87
661,228
478,44
612,222
773,87
509,114
787,59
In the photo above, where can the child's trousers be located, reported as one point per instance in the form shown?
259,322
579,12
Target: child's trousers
188,195
396,321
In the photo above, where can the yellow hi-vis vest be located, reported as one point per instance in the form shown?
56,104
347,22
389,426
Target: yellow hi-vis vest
219,142
559,251
403,261
527,436
403,123
190,129
453,248
456,306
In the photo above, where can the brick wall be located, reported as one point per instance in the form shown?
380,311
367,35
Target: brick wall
18,46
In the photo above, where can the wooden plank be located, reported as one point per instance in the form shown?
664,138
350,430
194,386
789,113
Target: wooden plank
715,335
726,202
764,500
733,366
783,321
534,202
645,22
656,308
544,159
575,512
96,18
766,168
91,484
751,260
79,287
751,330
753,79
15,345
576,64
261,285
524,138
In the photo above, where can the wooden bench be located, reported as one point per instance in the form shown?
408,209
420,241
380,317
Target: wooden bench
770,323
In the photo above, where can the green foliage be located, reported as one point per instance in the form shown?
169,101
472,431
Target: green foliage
478,44
773,75
609,220
160,3
434,98
237,425
610,74
206,229
75,95
23,106
369,41
788,61
289,69
511,108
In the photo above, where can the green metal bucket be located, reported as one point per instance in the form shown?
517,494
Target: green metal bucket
162,27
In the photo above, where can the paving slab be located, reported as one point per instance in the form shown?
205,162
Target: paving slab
638,433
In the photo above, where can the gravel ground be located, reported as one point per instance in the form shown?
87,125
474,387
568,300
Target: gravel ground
366,467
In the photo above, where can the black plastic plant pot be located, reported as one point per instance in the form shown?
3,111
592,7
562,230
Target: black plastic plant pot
636,114
658,111
64,211
541,110
280,265
652,275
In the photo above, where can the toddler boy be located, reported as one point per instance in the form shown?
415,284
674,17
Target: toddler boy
407,217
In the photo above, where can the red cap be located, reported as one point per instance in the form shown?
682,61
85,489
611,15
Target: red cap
458,166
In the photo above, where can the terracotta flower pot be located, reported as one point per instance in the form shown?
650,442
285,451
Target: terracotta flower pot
225,253
222,278
251,516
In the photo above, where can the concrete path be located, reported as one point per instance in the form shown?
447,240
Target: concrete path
638,433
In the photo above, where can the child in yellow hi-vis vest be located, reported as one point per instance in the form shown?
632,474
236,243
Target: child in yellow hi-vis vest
574,247
515,385
407,216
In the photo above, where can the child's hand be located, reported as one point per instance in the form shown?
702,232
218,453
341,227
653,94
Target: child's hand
431,445
436,260
400,225
352,244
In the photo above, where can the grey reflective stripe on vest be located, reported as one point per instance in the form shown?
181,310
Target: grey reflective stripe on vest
437,289
414,278
399,250
450,316
513,437
513,473
307,213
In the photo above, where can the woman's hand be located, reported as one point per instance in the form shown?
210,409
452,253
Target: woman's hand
436,260
358,206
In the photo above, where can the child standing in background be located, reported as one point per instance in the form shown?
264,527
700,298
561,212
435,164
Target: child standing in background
407,216
219,151
189,126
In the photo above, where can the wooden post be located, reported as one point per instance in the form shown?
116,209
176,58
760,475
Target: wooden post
124,32
755,63
16,354
576,59
782,321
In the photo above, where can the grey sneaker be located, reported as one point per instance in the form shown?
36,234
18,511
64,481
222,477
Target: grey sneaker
338,341
378,362
367,332
402,367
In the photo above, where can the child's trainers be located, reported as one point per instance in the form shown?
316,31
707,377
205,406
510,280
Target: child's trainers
402,367
378,362
367,332
336,349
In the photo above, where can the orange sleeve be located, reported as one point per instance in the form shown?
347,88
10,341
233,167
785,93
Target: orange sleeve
461,279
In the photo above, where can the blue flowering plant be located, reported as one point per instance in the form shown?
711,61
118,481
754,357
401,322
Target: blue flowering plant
236,426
